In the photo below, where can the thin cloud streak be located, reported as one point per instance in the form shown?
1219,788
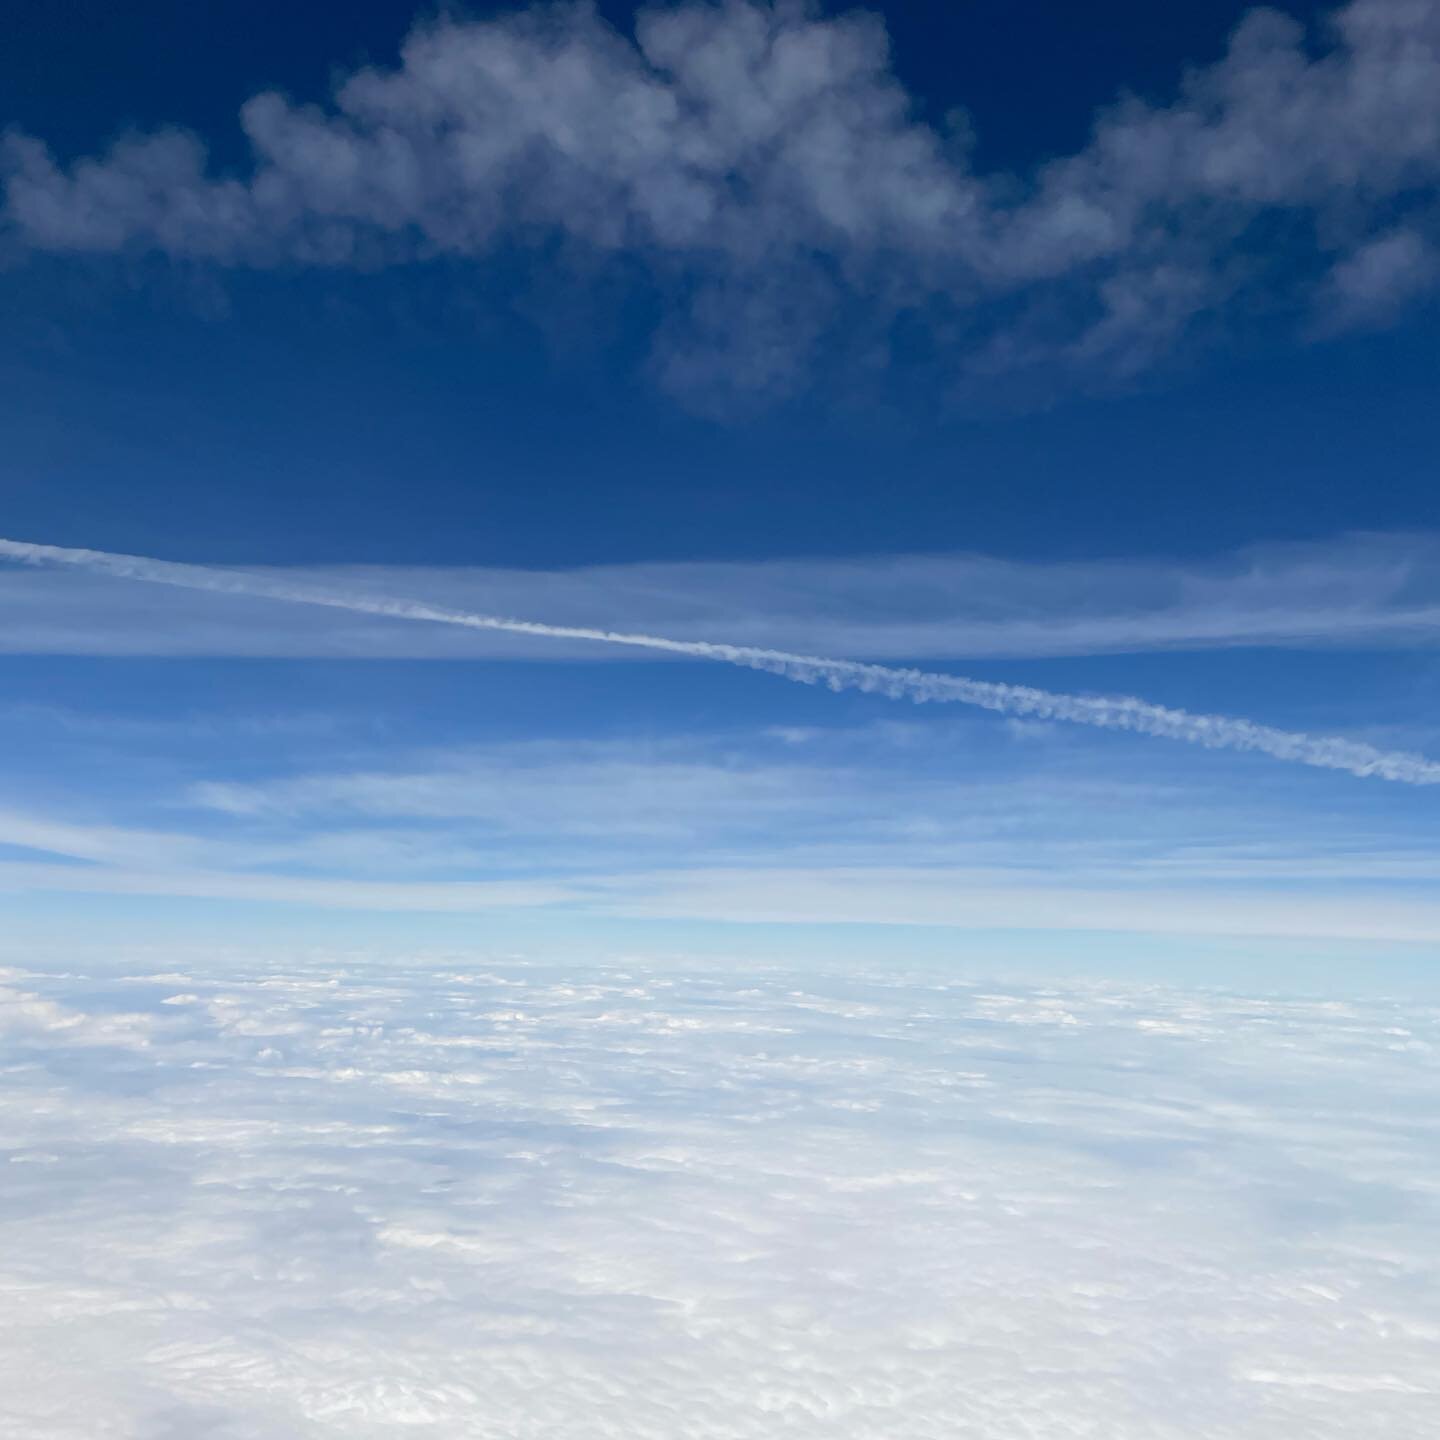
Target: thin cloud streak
945,898
1125,713
1378,591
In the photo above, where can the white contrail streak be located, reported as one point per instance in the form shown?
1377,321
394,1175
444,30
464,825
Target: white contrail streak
1215,732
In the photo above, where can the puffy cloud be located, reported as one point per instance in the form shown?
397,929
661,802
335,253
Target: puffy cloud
30,1018
768,169
596,1201
735,129
1370,285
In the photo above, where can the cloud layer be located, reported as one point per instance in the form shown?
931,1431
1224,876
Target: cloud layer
766,163
319,1200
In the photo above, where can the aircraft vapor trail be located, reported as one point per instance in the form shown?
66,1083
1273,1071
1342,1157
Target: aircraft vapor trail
1214,732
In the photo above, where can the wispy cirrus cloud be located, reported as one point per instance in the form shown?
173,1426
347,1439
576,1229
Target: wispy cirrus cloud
1365,591
847,829
1128,714
946,897
766,169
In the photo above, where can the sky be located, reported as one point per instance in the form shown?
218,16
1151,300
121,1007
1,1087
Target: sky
719,720
1089,351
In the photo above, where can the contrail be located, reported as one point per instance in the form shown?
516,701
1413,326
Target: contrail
1215,732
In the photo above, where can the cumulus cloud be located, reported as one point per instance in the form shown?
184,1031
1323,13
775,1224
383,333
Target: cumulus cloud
629,1201
765,166
28,1018
1370,285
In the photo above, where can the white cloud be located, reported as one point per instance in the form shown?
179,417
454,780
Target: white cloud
27,1017
765,161
1369,286
561,1202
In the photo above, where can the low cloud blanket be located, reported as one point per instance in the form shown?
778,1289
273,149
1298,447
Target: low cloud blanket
353,1199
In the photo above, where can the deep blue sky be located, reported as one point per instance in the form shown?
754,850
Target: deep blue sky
344,432
414,417
1031,73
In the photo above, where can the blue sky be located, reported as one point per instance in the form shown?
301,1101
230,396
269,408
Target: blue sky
725,325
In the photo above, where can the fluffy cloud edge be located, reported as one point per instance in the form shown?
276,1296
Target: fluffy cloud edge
766,162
